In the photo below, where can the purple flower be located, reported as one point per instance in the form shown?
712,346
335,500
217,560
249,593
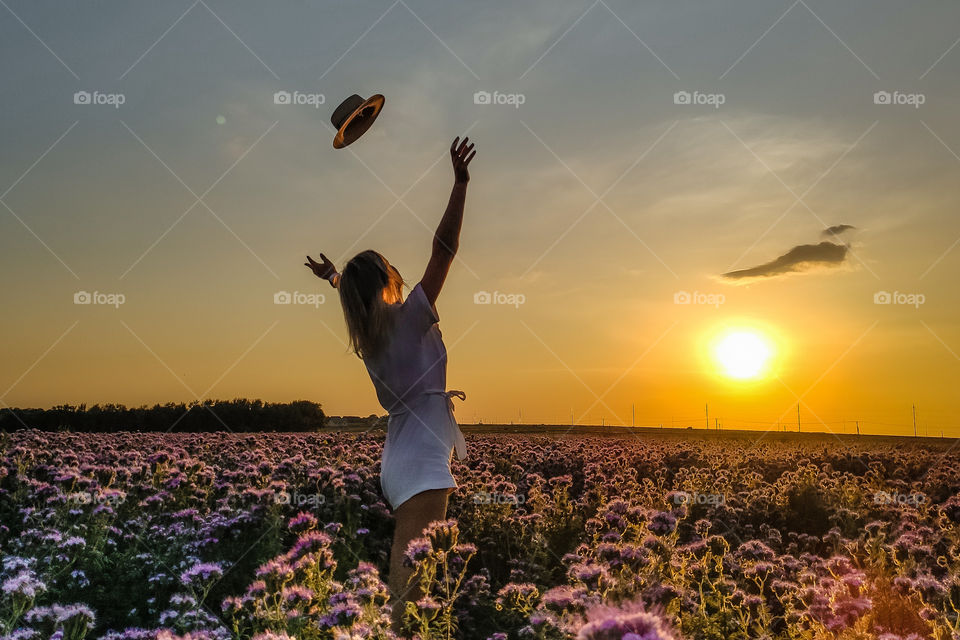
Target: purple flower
755,550
201,572
418,550
296,594
629,622
428,604
24,584
559,598
303,521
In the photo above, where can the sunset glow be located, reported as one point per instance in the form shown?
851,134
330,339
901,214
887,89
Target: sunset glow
743,354
748,216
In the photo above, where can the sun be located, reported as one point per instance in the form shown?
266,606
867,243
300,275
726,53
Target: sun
743,354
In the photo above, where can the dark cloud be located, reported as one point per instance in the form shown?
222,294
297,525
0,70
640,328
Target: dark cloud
800,258
836,230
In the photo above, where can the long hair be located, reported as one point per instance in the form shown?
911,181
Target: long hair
364,282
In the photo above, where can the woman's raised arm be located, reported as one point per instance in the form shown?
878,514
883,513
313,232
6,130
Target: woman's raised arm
446,240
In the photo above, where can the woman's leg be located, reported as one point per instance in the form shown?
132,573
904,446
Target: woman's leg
412,517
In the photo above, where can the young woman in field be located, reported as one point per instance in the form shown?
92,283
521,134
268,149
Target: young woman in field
401,346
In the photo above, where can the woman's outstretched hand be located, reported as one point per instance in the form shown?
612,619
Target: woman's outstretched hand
324,269
461,156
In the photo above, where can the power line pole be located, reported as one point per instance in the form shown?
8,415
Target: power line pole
798,417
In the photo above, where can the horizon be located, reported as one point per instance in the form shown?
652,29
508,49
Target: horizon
718,425
783,172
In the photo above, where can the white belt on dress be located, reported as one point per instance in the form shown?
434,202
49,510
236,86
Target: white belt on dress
460,442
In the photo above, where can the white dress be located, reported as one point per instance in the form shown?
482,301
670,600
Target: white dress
410,377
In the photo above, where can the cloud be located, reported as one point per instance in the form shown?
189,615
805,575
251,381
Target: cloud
836,230
798,259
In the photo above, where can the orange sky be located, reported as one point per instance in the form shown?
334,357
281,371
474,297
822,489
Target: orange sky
598,199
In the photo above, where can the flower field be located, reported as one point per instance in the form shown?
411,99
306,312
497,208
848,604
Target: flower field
144,535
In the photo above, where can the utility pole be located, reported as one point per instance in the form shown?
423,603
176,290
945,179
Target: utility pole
706,408
798,417
633,415
858,427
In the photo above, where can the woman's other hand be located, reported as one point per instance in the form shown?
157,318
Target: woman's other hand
323,269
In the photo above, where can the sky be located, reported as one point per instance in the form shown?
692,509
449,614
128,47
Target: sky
649,178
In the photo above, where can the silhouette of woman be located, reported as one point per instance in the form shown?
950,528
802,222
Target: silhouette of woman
401,345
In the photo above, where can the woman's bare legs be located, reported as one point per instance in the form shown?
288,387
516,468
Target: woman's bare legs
412,517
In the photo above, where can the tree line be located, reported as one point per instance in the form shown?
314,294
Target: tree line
237,415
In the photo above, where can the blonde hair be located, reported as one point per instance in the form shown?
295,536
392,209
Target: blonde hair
363,283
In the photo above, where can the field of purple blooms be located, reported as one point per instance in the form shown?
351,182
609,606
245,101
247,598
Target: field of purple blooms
266,536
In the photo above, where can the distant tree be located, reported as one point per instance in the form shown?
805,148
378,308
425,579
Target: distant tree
238,415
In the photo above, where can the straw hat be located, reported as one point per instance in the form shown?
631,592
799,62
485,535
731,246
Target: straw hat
353,117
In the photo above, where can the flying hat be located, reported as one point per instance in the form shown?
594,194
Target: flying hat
353,117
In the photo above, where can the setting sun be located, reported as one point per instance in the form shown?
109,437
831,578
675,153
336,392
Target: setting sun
743,354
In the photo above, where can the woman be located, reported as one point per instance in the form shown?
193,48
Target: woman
403,351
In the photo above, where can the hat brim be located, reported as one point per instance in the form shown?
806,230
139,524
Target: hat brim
347,134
